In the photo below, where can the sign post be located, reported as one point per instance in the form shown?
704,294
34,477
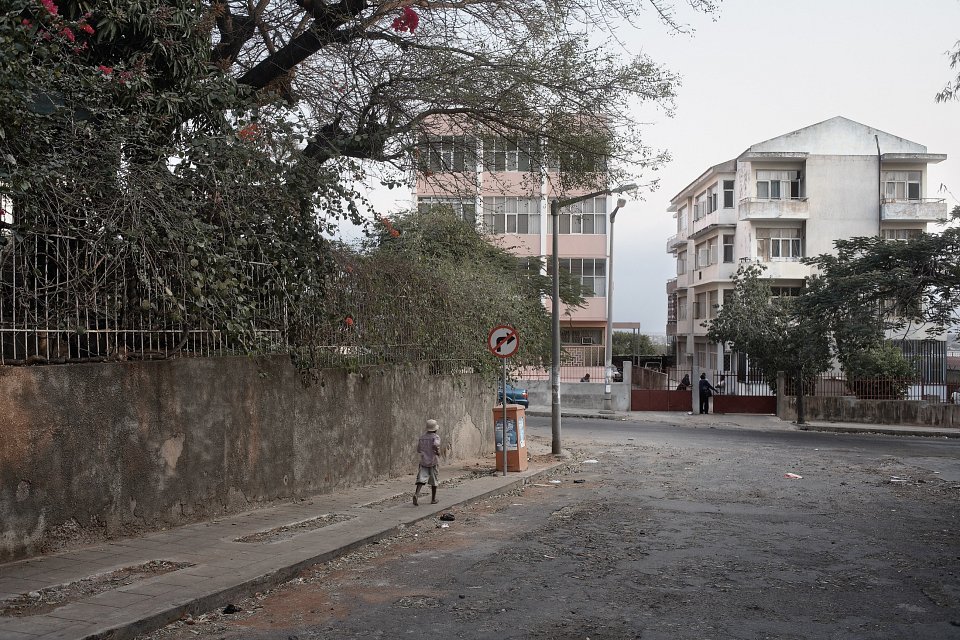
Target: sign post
503,342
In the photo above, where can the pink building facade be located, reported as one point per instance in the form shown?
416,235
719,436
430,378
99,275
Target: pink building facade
493,183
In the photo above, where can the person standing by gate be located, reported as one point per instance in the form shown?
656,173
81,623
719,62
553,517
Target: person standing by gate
706,390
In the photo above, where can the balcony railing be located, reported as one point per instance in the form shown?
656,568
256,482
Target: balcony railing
923,209
765,209
675,241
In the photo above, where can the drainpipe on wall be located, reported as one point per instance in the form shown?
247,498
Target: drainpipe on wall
879,187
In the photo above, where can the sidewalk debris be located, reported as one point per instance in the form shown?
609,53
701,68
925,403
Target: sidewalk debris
792,476
590,462
232,608
554,481
448,517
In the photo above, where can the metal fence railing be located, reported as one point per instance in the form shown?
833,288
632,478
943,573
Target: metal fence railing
68,299
877,388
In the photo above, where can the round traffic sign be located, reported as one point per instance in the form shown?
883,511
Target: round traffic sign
503,341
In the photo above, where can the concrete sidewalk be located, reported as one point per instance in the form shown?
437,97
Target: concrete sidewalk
221,569
747,421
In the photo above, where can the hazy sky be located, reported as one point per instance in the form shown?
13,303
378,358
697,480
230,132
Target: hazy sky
762,68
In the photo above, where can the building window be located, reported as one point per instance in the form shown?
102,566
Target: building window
700,307
681,308
712,199
466,210
682,219
681,263
713,303
510,214
901,234
500,154
785,292
700,206
901,185
728,247
581,336
439,154
728,194
706,253
776,245
778,185
591,272
587,217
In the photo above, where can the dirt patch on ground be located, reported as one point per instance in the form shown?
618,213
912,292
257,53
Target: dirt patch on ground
292,530
46,600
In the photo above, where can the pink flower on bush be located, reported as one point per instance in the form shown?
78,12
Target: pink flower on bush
67,33
106,70
50,6
408,20
86,28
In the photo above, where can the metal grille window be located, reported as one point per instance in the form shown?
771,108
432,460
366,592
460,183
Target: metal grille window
901,185
778,185
587,217
464,209
439,154
779,245
500,154
510,214
591,272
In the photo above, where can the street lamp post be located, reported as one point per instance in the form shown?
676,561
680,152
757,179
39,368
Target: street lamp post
555,206
608,351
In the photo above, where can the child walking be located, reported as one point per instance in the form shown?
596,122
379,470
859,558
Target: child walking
428,446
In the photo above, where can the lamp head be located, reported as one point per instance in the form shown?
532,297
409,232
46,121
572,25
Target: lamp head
621,202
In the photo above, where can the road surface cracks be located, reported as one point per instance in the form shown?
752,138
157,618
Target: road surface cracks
658,541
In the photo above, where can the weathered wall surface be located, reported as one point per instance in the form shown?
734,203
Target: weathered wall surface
107,449
579,395
851,409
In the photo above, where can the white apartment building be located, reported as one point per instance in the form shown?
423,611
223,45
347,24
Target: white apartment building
783,199
494,184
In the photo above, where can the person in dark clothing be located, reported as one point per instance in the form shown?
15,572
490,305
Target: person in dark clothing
706,390
684,384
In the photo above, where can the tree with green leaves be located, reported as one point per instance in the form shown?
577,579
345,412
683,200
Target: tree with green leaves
775,332
871,287
952,89
458,286
628,343
171,144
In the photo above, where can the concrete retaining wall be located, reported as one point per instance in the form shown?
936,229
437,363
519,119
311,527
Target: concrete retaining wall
852,409
579,395
88,451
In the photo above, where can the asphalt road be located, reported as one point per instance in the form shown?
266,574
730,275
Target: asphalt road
673,533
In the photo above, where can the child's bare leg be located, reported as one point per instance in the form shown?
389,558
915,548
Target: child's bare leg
433,494
416,493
